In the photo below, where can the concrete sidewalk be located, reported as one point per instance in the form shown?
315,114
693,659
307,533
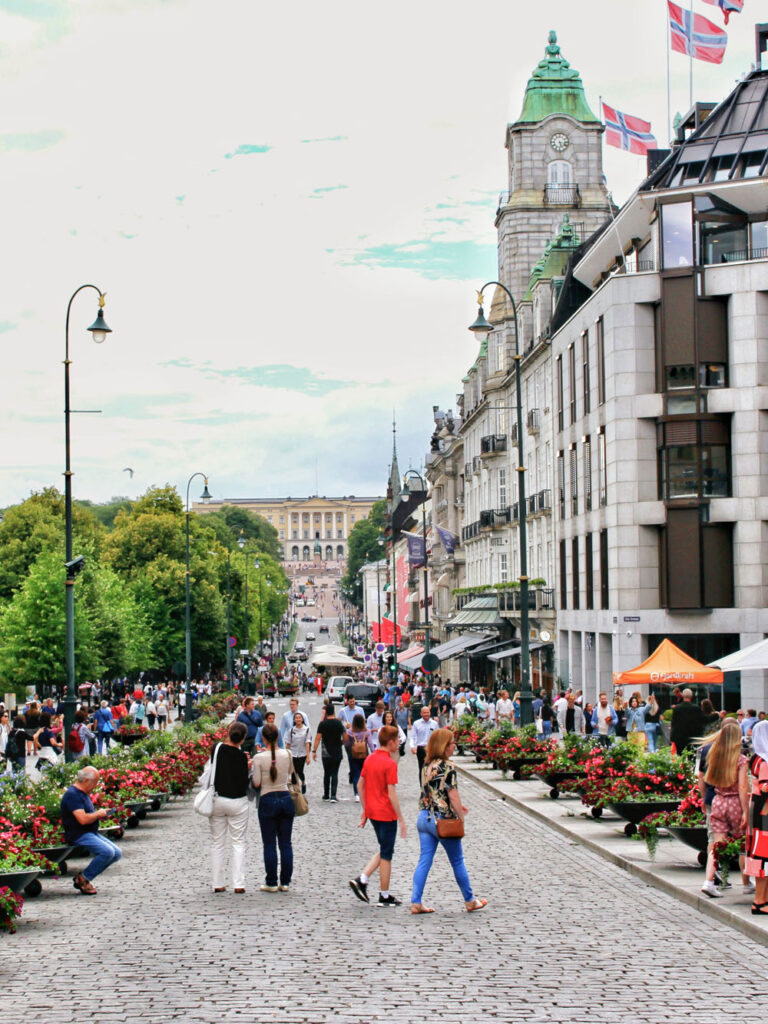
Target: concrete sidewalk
674,869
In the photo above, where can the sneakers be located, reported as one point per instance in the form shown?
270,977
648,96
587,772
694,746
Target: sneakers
268,888
748,888
334,800
325,798
711,890
357,799
359,888
284,888
388,901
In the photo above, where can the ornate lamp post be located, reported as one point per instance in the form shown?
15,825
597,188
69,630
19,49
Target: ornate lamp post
205,497
483,328
241,542
99,332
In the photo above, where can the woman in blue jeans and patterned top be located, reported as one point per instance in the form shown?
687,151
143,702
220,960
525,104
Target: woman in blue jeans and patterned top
440,799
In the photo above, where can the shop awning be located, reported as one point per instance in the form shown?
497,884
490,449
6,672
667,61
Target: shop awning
387,587
669,666
413,663
491,644
475,617
753,657
511,652
453,648
410,652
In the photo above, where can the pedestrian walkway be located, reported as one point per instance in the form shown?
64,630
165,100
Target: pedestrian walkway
567,936
673,869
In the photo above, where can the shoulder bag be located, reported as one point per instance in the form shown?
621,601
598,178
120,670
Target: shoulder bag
450,828
300,802
203,803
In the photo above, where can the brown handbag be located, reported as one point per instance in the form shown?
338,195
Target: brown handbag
450,828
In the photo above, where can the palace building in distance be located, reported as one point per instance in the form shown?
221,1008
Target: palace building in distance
301,523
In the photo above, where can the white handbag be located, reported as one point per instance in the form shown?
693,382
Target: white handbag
203,802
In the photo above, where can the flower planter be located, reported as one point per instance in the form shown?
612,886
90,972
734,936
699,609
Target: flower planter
138,809
694,836
56,855
157,800
516,764
555,779
129,738
633,811
17,881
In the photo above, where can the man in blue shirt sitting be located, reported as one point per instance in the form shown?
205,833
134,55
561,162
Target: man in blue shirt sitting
80,823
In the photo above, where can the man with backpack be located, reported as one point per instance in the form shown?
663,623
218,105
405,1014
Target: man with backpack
105,726
79,737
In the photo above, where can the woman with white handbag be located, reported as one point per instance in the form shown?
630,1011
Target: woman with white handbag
229,816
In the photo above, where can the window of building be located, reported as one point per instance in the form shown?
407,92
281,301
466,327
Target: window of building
295,535
339,534
587,446
503,568
722,167
563,578
712,375
604,592
680,377
306,534
305,553
602,469
574,475
559,172
751,164
502,488
282,535
572,380
295,553
758,233
559,384
694,460
317,517
585,370
282,519
575,571
561,483
677,235
306,517
600,339
339,517
589,582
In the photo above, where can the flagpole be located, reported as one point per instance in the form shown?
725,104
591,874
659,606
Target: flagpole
690,59
668,36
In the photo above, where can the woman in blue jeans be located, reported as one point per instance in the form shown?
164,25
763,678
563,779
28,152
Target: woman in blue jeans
271,770
440,799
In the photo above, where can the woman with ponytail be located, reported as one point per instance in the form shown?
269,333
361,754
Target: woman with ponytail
272,769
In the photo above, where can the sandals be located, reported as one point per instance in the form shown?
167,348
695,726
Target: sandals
222,888
759,908
417,908
479,904
86,888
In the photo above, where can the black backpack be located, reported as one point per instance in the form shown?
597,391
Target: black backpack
13,750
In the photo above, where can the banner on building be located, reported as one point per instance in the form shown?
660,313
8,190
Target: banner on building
448,539
415,548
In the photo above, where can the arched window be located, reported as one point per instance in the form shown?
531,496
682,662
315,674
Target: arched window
340,553
559,173
295,553
329,553
305,553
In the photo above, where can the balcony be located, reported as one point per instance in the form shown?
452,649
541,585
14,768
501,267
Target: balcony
539,600
486,519
495,518
467,470
534,421
544,502
493,444
513,434
514,512
533,504
477,463
471,531
561,195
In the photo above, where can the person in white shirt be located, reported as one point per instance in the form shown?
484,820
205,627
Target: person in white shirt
374,723
421,730
161,710
505,709
287,721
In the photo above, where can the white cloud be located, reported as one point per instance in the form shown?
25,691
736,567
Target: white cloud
130,108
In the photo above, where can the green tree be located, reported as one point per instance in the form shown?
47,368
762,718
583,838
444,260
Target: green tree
106,512
364,547
230,521
35,525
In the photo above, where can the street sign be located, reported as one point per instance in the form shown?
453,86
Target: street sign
631,618
360,649
263,663
367,659
245,653
380,648
430,663
231,642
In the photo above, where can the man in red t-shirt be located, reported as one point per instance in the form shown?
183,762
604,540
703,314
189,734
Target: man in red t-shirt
378,797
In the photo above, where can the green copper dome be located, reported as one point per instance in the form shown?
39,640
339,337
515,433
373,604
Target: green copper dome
555,88
556,254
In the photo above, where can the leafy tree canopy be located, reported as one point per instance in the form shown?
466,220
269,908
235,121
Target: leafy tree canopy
364,547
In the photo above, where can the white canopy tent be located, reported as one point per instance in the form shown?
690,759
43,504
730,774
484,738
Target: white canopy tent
749,658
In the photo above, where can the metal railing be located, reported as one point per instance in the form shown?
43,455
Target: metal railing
544,501
493,443
534,421
561,195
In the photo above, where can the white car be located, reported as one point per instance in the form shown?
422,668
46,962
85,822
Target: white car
311,636
299,646
336,687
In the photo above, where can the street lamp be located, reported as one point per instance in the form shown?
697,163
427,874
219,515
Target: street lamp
482,328
99,332
205,497
241,542
422,481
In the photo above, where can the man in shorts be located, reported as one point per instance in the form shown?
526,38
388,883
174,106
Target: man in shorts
377,789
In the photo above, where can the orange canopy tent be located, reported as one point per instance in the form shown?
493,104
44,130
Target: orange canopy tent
669,666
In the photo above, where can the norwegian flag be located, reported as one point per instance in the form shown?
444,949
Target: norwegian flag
696,36
727,7
627,132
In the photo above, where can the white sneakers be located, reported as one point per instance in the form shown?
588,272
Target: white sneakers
711,890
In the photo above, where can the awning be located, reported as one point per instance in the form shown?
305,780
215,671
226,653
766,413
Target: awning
410,652
669,665
386,587
452,648
511,652
753,657
476,617
413,663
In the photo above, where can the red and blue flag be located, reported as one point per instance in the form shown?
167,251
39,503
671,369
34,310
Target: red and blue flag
695,36
627,132
728,7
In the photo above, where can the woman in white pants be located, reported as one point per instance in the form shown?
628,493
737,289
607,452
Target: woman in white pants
229,821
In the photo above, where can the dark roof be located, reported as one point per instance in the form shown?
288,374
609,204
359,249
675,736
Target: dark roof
732,138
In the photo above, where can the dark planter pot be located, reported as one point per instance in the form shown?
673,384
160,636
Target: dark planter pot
55,854
555,779
694,836
516,764
138,808
633,811
128,741
17,881
157,800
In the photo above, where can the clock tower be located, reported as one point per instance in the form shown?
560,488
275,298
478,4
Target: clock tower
555,167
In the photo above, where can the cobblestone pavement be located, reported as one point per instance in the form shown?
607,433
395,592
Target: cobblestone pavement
566,937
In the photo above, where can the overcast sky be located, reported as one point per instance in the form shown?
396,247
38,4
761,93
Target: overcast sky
289,205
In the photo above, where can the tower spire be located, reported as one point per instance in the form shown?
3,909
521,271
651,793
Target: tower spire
395,484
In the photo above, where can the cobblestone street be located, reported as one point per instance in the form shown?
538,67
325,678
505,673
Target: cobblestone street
566,937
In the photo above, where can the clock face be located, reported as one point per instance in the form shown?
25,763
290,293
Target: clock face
559,142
